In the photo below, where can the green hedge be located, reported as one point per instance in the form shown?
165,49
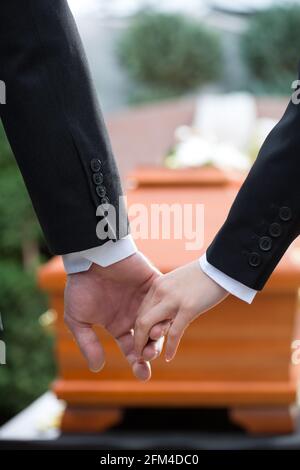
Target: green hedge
169,53
29,364
29,355
270,47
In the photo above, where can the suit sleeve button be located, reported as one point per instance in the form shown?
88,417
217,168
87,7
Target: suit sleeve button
98,178
254,259
104,200
95,164
265,243
285,213
275,230
101,190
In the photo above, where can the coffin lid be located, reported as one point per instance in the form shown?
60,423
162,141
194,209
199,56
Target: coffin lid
212,187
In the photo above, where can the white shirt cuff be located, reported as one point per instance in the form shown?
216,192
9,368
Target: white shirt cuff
228,283
104,255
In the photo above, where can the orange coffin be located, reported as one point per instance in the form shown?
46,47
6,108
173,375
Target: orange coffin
237,356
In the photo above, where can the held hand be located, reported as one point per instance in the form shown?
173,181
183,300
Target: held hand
110,297
172,303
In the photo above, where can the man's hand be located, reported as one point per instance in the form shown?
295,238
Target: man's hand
172,303
111,297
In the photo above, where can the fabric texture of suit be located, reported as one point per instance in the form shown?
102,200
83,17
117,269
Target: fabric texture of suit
265,216
54,124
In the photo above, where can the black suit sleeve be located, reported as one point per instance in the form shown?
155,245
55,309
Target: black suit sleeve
54,124
265,216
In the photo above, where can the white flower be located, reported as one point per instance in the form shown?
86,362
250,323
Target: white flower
195,151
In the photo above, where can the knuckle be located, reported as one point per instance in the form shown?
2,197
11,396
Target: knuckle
69,323
157,283
160,289
141,322
185,312
188,309
67,320
171,304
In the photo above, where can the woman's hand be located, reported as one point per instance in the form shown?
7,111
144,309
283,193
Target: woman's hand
172,303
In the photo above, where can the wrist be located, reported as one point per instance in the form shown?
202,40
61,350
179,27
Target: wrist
221,291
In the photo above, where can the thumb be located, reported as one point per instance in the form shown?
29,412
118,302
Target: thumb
88,343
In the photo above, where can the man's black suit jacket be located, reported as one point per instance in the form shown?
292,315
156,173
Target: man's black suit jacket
59,139
53,122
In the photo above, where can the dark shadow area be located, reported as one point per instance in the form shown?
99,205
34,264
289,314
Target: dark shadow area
168,429
172,419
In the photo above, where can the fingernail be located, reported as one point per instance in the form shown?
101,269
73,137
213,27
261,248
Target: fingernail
96,370
168,359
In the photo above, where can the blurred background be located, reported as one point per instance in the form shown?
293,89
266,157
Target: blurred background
155,65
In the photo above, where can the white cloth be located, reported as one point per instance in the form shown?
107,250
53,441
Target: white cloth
228,283
104,255
112,252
